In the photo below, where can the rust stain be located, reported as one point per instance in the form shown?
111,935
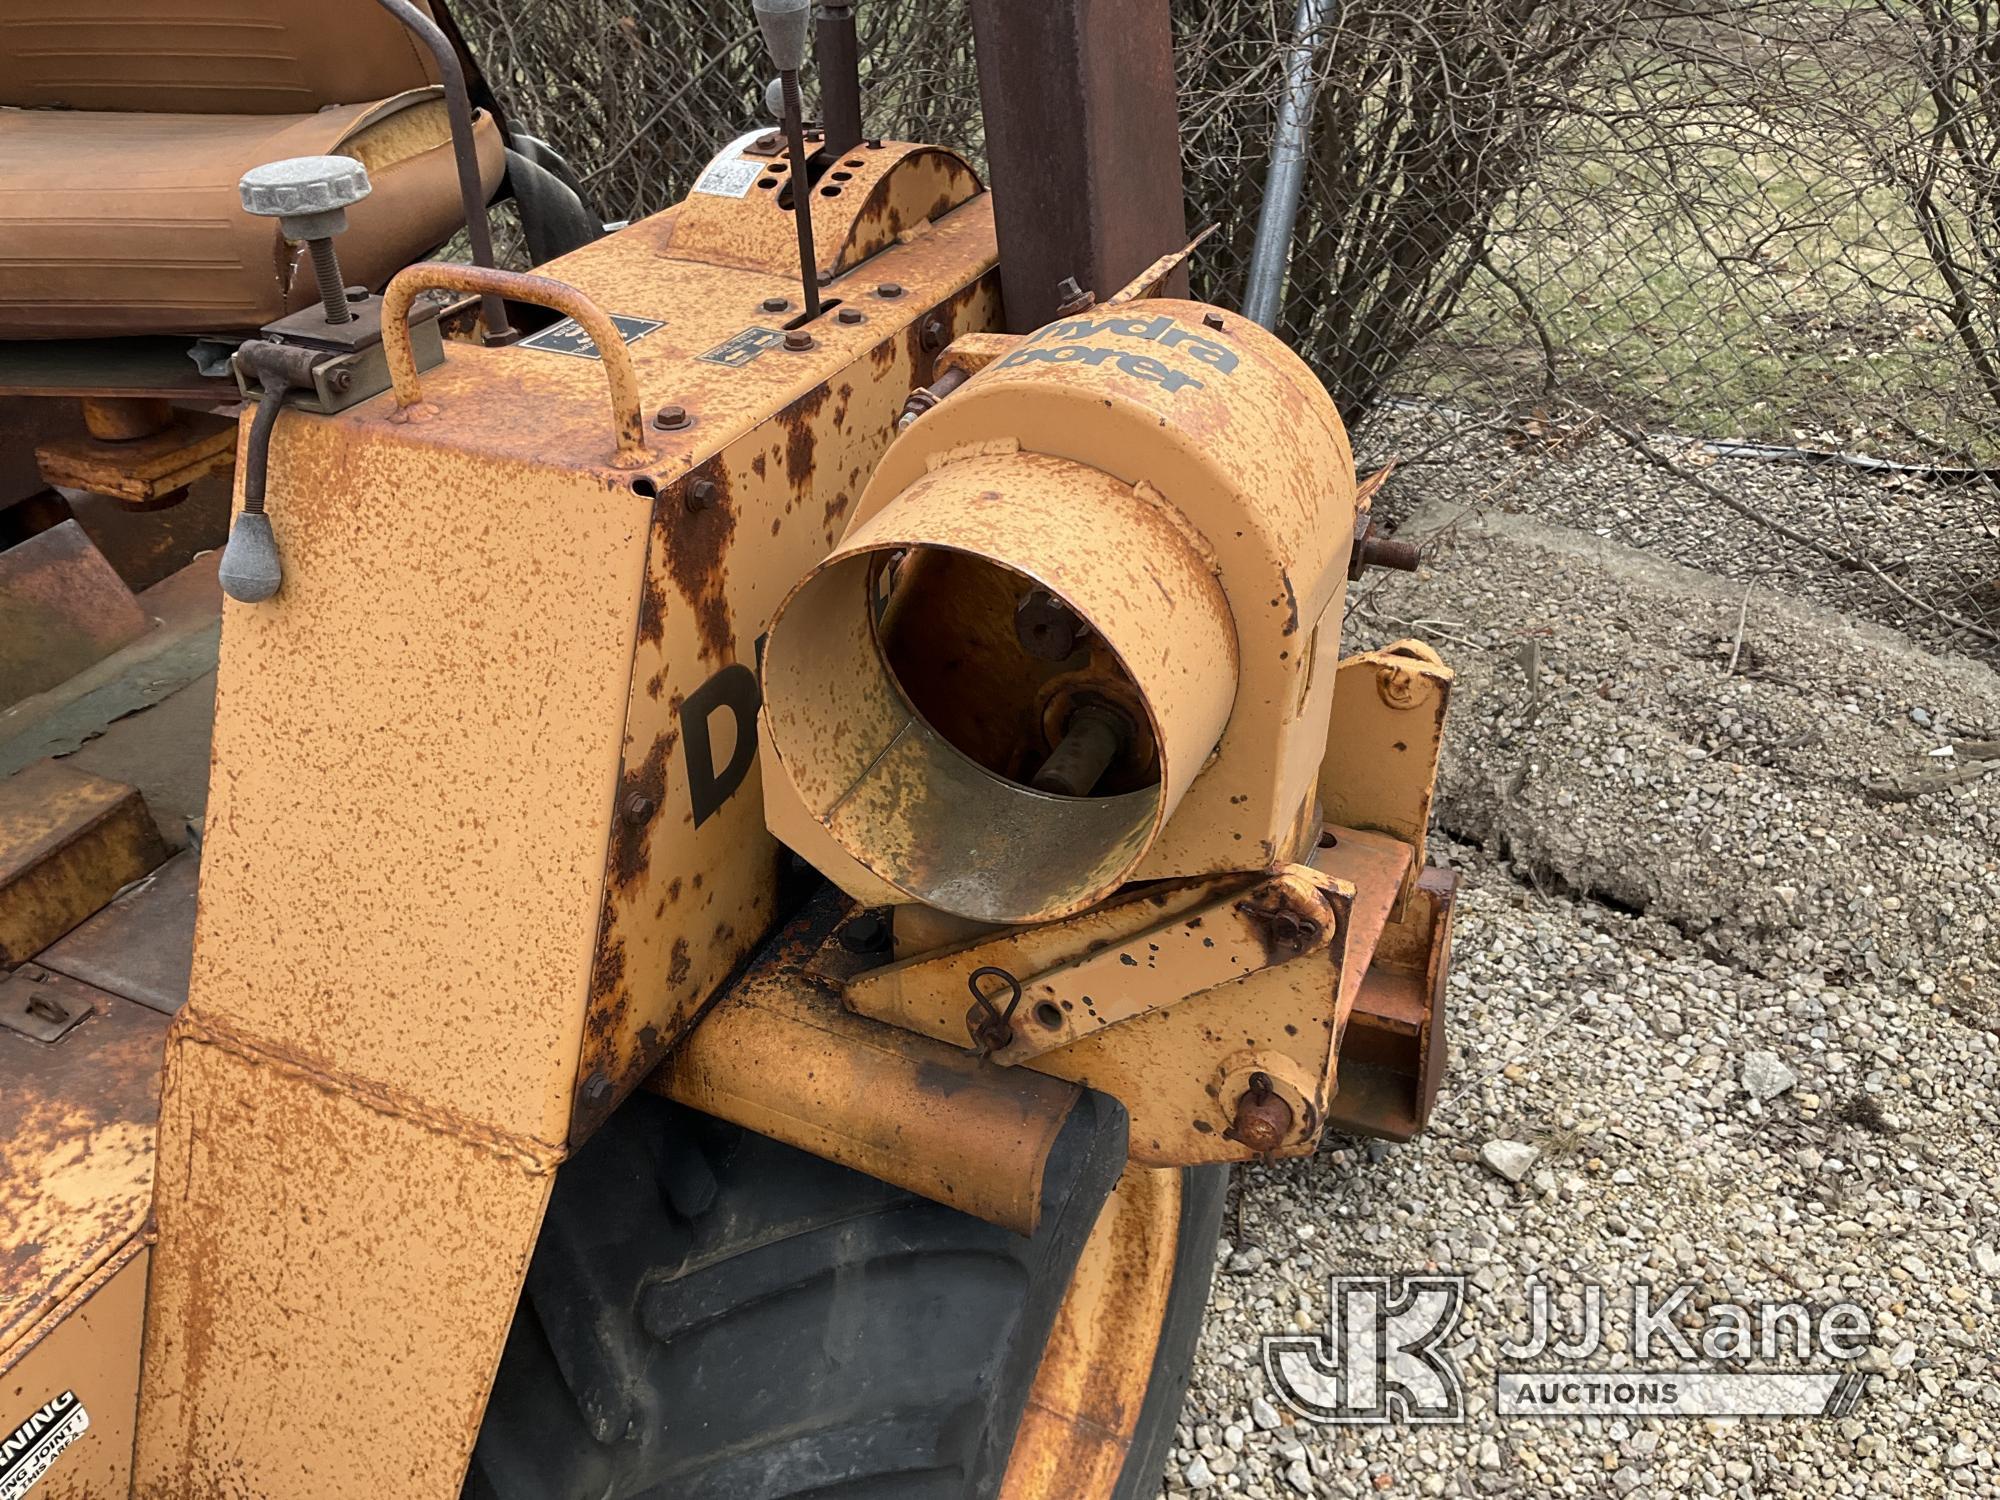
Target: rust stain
642,790
697,547
799,423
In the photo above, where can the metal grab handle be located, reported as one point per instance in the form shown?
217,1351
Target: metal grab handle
541,291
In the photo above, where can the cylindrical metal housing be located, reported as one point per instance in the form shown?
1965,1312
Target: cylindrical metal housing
1177,481
910,722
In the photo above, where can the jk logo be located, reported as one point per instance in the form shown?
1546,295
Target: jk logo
1382,1358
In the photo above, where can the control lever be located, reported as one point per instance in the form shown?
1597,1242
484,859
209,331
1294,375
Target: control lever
784,24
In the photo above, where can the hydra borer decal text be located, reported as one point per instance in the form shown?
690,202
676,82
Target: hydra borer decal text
1064,342
27,1451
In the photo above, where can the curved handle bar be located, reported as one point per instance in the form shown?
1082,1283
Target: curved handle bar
542,291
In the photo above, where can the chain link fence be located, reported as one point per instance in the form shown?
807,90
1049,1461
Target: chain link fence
1769,222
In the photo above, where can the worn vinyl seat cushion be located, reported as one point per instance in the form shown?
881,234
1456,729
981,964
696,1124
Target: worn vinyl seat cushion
129,223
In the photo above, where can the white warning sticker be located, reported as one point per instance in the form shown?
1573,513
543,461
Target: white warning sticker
727,175
27,1452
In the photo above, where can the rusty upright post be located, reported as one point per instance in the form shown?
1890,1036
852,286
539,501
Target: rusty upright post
1083,145
839,76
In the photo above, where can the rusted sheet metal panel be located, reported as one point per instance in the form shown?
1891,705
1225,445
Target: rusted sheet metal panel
1084,1407
781,1056
325,1248
1180,1067
403,928
143,469
1079,103
140,946
1383,741
416,744
715,352
862,203
68,841
1238,439
690,877
1393,1055
76,1152
62,608
83,1358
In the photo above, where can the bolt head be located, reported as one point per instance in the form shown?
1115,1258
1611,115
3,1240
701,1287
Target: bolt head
849,315
670,418
776,304
933,337
638,808
867,933
889,289
1212,320
797,340
597,1090
700,494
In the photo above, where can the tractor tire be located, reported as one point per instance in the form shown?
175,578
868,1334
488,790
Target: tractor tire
712,1315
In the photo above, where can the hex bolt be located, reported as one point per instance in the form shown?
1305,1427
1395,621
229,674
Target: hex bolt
309,197
798,340
671,418
934,336
638,808
700,494
1072,298
849,315
597,1090
867,933
889,289
1373,551
1263,1119
1046,628
1212,320
776,304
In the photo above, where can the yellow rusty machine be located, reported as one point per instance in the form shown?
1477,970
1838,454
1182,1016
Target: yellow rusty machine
769,840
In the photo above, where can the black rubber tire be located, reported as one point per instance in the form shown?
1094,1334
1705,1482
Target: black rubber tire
710,1315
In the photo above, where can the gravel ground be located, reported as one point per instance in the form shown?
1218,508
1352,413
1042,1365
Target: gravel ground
1937,541
1726,965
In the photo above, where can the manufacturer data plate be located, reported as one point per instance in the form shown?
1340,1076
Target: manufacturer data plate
568,337
739,349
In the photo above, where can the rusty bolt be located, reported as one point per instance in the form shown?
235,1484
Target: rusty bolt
638,808
1281,927
798,340
933,336
1263,1119
1374,551
340,380
849,315
1046,627
1072,298
867,933
597,1091
776,304
1212,320
670,418
890,289
701,494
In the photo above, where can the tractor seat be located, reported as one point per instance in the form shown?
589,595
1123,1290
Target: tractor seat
125,125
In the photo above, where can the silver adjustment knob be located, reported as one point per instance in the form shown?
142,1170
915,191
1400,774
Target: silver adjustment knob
309,197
